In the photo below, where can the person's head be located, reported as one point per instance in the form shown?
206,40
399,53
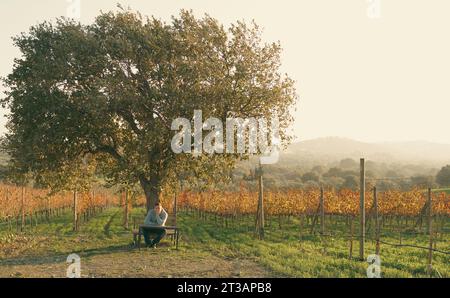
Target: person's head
158,207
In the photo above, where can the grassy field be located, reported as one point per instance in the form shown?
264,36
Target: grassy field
206,250
446,190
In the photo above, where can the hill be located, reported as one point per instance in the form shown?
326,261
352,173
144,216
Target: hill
335,148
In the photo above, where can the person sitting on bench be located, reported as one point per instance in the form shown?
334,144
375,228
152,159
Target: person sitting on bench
156,217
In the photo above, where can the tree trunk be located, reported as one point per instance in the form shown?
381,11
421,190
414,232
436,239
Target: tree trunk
152,191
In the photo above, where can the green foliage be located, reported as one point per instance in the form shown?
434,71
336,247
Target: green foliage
348,163
110,90
443,177
446,190
422,181
310,176
351,182
291,173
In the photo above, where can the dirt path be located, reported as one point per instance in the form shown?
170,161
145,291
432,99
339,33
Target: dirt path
161,262
104,248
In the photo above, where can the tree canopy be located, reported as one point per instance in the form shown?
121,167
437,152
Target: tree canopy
107,93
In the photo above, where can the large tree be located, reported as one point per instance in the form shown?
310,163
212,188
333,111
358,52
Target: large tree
110,90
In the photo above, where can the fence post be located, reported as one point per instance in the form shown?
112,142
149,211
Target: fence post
257,208
260,211
362,211
377,224
430,233
75,207
301,226
261,200
22,209
322,212
350,255
125,222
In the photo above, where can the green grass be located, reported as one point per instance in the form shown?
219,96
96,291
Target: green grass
281,254
284,254
61,239
446,190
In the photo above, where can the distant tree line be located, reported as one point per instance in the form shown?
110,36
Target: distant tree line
345,174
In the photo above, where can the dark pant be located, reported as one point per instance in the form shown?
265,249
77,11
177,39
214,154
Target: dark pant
158,232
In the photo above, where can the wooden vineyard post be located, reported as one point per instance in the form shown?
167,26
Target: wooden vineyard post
175,209
301,226
377,224
175,203
126,211
93,197
260,211
261,203
430,233
322,212
22,209
75,207
350,254
257,208
362,211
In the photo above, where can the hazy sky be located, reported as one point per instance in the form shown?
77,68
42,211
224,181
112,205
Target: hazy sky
362,74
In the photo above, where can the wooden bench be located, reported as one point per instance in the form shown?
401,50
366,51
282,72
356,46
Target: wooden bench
171,231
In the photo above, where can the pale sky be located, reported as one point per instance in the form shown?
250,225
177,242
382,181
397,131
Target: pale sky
370,79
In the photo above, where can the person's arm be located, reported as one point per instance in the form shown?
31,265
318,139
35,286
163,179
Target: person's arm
161,218
147,220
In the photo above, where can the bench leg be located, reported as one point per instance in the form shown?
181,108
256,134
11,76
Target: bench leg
176,239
